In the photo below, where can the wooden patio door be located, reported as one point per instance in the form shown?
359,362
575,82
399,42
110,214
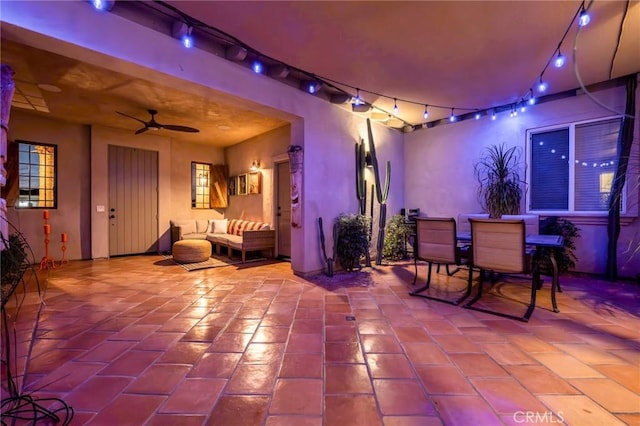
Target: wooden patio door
133,201
283,187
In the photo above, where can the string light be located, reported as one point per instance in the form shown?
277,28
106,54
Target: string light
257,67
358,99
542,85
584,18
560,60
187,39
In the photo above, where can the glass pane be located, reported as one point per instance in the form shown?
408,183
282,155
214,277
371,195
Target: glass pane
596,152
550,170
37,175
200,185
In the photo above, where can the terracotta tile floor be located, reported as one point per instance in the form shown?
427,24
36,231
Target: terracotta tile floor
139,341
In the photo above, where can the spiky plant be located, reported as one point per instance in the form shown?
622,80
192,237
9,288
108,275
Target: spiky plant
499,184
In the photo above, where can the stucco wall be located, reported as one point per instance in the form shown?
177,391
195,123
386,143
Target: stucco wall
73,213
439,170
326,132
263,149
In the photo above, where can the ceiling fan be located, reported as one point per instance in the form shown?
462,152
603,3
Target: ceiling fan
152,124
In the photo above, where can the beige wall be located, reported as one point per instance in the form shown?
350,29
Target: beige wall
73,214
263,148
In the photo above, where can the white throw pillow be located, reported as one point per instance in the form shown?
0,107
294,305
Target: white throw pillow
218,226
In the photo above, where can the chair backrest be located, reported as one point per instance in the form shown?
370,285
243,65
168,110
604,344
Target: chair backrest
531,222
436,239
498,245
463,220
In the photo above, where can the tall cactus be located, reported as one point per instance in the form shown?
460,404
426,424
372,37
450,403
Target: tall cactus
361,187
381,193
361,183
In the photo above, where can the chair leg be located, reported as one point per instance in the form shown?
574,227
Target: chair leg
427,284
479,293
555,283
451,273
534,289
415,266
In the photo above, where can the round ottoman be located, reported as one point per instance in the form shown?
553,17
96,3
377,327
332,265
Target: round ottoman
190,251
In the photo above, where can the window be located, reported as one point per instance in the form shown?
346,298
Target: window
37,175
572,167
200,173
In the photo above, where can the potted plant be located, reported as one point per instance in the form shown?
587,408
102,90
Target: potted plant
499,182
565,256
14,263
353,240
396,237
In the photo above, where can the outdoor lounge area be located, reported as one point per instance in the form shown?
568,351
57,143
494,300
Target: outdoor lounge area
308,213
135,341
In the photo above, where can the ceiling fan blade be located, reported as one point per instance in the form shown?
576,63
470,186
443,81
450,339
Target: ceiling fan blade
144,129
179,128
129,116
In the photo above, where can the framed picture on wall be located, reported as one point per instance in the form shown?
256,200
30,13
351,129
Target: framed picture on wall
232,185
255,183
242,184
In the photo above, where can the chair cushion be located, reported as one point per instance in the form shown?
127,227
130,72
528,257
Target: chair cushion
188,225
218,226
238,226
202,225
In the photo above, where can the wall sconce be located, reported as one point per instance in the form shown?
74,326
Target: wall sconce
203,179
255,166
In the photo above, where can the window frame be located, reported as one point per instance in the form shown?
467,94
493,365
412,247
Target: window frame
54,189
571,126
195,185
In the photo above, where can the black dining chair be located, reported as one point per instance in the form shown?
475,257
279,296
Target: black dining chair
499,246
436,243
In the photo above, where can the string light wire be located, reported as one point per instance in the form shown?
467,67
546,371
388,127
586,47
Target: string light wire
339,86
576,71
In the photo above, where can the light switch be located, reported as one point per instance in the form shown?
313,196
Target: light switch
100,209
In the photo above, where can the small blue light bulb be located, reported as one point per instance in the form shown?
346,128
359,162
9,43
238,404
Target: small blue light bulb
477,116
257,67
560,60
187,41
584,18
542,86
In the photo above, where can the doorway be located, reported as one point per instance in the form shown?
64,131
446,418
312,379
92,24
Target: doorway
283,197
133,201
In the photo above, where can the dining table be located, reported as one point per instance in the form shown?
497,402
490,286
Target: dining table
538,241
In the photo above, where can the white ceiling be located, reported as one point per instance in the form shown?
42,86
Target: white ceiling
460,54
